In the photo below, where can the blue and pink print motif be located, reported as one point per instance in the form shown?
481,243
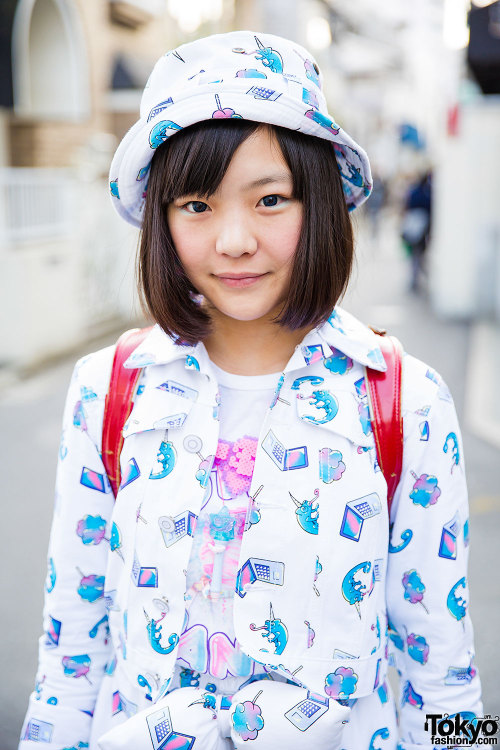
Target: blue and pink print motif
227,511
327,472
235,462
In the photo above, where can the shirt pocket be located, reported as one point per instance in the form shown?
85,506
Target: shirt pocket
157,408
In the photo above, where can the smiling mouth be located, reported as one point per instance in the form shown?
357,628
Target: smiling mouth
239,280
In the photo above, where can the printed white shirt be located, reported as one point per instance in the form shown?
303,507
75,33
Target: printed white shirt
332,583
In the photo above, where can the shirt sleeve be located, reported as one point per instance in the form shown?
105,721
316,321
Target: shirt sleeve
74,649
430,631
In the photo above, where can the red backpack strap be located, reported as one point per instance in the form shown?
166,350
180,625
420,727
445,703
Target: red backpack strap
384,395
118,404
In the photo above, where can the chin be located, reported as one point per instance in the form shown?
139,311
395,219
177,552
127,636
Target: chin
245,317
243,310
250,314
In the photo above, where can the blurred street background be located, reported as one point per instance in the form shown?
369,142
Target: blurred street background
416,83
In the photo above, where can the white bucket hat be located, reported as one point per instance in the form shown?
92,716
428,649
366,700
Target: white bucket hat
241,74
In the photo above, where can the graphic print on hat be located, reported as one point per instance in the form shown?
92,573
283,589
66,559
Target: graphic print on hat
208,79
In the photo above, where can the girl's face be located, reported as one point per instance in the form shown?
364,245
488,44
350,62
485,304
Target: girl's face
237,246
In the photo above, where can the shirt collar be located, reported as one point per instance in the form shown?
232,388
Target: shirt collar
342,332
159,349
345,333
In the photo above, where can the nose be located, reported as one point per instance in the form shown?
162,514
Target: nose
235,236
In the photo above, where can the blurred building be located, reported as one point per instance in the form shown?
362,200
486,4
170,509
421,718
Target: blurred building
72,76
465,257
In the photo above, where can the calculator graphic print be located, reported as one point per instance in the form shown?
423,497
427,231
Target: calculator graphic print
307,711
356,512
38,731
160,728
263,571
367,506
173,529
258,569
285,459
260,92
162,735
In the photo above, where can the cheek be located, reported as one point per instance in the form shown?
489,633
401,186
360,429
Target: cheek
187,245
284,240
189,256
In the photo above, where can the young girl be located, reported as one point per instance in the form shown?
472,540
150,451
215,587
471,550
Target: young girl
247,587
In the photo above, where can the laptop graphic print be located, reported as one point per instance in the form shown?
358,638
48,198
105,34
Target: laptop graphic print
307,711
162,735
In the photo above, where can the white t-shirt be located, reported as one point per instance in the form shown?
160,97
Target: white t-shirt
208,651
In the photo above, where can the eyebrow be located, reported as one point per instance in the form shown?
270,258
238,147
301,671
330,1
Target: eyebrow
277,177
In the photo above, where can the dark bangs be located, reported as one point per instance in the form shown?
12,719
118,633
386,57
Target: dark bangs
194,161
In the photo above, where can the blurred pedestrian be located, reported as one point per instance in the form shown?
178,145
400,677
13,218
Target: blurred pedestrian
416,227
252,578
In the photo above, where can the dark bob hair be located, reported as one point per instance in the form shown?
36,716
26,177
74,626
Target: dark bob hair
194,161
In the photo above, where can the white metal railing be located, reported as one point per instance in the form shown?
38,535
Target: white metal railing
35,203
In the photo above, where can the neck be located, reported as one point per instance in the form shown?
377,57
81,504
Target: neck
254,347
